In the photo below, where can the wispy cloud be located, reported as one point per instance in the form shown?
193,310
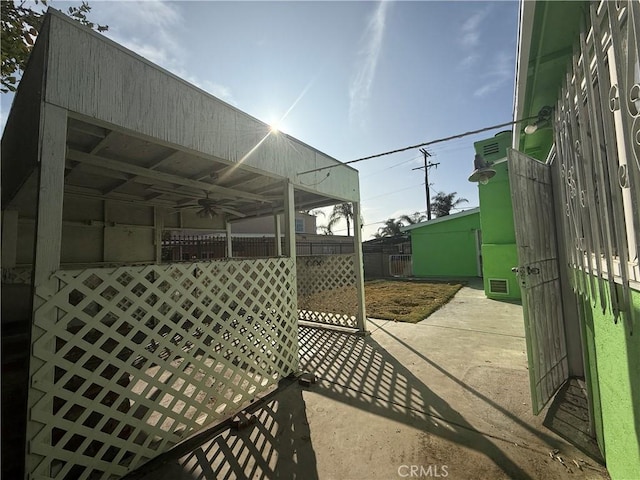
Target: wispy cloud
501,72
497,70
146,27
150,28
469,61
361,85
471,28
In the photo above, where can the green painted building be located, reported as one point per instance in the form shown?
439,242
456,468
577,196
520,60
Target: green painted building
591,147
496,219
447,246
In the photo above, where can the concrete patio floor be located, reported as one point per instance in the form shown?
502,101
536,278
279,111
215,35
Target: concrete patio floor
445,398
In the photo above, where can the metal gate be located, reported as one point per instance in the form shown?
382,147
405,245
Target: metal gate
400,265
538,273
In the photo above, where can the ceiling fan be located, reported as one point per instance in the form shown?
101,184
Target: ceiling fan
209,208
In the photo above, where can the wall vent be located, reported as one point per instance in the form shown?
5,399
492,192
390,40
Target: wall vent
498,286
490,148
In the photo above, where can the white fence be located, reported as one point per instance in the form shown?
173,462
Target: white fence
128,361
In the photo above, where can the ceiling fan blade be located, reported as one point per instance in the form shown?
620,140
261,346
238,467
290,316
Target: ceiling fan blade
231,211
206,213
180,207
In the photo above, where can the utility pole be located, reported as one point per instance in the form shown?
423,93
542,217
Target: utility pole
427,166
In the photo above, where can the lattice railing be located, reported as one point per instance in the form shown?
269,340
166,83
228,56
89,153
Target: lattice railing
327,290
132,360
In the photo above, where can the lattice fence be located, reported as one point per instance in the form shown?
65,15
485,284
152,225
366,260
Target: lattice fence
134,359
327,290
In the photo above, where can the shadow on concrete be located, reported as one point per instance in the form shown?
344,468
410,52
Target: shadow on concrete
276,445
568,417
354,370
546,438
361,373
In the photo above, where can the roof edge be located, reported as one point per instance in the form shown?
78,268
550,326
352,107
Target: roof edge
525,29
51,11
446,218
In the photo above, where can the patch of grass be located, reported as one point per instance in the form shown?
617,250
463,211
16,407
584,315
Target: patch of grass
407,301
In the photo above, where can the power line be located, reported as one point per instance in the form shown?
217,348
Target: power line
432,142
390,167
391,193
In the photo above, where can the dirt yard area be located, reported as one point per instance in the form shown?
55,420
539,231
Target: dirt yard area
399,300
407,301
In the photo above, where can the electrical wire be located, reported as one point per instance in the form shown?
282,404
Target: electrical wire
390,167
432,142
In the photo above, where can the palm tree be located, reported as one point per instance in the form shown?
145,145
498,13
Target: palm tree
442,203
391,228
414,218
340,211
325,230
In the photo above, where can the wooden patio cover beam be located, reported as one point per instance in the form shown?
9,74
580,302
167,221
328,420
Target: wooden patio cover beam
120,166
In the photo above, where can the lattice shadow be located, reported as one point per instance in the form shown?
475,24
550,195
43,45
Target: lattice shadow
360,372
277,445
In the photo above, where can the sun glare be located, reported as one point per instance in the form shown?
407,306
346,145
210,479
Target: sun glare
275,128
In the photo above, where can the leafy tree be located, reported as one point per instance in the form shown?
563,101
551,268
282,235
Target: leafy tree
20,27
339,212
414,218
442,203
391,228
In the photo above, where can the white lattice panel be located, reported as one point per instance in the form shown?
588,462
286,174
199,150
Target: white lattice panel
141,357
327,290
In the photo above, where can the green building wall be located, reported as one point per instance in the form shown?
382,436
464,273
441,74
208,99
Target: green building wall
446,247
613,370
499,253
611,349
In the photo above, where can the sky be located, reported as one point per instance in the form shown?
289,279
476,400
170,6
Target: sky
351,79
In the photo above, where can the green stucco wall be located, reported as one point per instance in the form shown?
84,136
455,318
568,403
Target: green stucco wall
611,350
499,253
614,371
447,248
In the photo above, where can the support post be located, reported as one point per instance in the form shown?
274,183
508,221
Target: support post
426,180
278,235
290,221
290,250
361,316
427,166
158,221
9,238
51,159
229,239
